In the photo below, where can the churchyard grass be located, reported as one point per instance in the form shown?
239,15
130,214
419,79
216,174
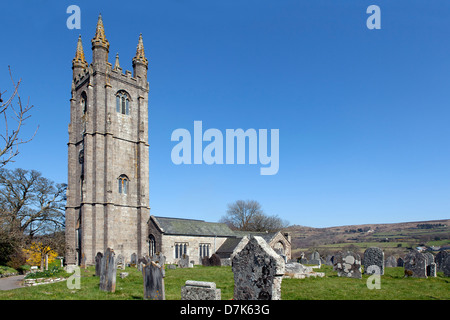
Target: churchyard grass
393,286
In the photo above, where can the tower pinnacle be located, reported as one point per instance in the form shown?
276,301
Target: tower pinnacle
100,38
79,60
140,54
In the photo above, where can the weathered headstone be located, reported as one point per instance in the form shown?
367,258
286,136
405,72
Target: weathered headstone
133,260
184,261
431,266
415,265
390,262
440,259
98,263
329,260
153,281
121,262
108,271
205,262
446,266
347,264
374,257
200,290
83,261
258,272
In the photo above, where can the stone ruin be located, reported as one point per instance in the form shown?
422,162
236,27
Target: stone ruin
347,264
200,290
258,272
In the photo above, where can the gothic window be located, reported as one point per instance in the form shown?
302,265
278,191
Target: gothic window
123,184
180,249
151,245
122,103
204,250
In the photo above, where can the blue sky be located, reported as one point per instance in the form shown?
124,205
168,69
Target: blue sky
363,114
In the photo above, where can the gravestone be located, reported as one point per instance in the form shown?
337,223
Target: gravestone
214,260
329,260
415,265
83,261
347,264
258,272
153,281
446,266
431,266
400,262
205,262
184,261
98,264
374,257
440,259
120,262
108,271
390,262
200,290
133,260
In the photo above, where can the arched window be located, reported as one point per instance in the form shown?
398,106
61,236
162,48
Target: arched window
83,102
123,184
122,102
151,245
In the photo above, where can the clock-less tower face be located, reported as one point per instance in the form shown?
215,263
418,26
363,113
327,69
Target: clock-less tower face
108,182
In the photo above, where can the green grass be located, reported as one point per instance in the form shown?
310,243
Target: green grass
393,286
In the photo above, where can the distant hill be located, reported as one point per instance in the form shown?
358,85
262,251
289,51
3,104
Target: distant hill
392,237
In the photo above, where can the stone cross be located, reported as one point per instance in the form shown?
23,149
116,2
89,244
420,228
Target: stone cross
108,271
98,263
374,257
258,272
347,264
200,290
153,281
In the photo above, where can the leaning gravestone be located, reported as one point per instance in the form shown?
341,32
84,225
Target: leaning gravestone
200,290
374,257
415,265
347,264
258,272
108,271
98,264
153,281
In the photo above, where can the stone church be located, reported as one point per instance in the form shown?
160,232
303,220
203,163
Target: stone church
108,170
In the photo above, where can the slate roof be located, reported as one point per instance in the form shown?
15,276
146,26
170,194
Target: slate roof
177,226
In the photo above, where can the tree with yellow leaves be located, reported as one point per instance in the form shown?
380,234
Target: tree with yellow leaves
37,252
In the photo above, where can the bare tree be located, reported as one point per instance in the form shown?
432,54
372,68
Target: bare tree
12,112
29,203
248,216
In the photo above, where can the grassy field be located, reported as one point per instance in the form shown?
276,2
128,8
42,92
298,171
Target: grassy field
393,286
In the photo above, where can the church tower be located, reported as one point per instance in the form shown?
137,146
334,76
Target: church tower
108,153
